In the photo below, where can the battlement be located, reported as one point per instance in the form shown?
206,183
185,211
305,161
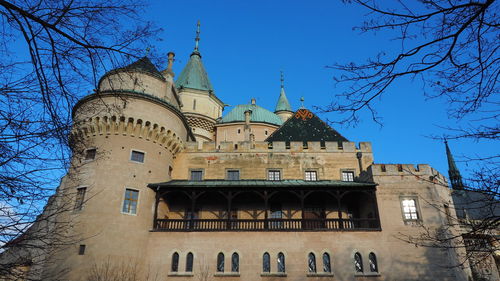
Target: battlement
128,126
279,146
421,170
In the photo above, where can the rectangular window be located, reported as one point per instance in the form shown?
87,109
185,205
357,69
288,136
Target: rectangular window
80,198
311,176
90,154
409,209
274,175
81,250
130,201
233,175
137,156
196,175
347,176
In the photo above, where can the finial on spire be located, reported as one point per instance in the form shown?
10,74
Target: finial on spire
302,102
197,36
282,80
148,49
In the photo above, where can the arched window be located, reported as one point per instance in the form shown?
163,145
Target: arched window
220,262
281,262
358,262
326,263
372,259
175,262
235,262
189,262
266,262
311,262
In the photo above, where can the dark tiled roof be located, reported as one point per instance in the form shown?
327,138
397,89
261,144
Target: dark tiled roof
141,65
305,126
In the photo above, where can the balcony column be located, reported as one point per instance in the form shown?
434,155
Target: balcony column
157,201
229,198
339,211
266,207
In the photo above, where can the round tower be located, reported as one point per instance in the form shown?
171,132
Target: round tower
125,136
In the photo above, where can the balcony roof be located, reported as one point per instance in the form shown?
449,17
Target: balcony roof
260,183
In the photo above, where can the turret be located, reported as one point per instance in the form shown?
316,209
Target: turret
200,105
283,108
453,172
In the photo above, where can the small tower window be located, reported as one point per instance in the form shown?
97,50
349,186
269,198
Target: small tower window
189,262
266,262
327,267
347,176
235,262
239,131
80,198
175,262
373,262
358,262
90,154
194,104
311,262
81,250
220,262
311,176
281,262
137,156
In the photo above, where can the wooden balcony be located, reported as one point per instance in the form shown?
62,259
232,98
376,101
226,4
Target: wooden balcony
176,225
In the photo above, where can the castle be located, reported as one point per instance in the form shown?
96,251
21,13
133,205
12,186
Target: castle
162,180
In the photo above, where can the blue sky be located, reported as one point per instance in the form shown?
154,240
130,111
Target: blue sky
245,44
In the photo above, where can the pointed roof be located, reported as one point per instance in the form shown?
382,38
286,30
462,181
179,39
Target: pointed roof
453,172
305,126
283,104
143,64
194,75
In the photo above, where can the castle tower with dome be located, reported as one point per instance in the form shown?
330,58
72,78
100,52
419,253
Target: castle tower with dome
165,184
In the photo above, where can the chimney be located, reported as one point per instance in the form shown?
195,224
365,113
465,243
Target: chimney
247,130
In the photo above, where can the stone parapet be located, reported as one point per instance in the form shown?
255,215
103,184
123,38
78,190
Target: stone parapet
420,170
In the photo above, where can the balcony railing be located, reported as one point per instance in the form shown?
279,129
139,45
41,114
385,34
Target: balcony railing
267,225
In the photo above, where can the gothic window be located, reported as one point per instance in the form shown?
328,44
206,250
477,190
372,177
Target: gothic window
326,263
175,262
189,262
80,198
372,259
311,176
196,175
233,175
220,262
130,201
235,262
358,262
90,154
137,156
347,176
409,209
266,263
274,175
281,262
311,262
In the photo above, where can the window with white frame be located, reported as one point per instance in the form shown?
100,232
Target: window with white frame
130,201
311,176
347,176
410,211
274,175
137,156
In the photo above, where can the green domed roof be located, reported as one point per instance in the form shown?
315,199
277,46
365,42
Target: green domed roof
259,114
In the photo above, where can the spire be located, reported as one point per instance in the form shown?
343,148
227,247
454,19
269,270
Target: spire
283,104
197,40
453,172
194,75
